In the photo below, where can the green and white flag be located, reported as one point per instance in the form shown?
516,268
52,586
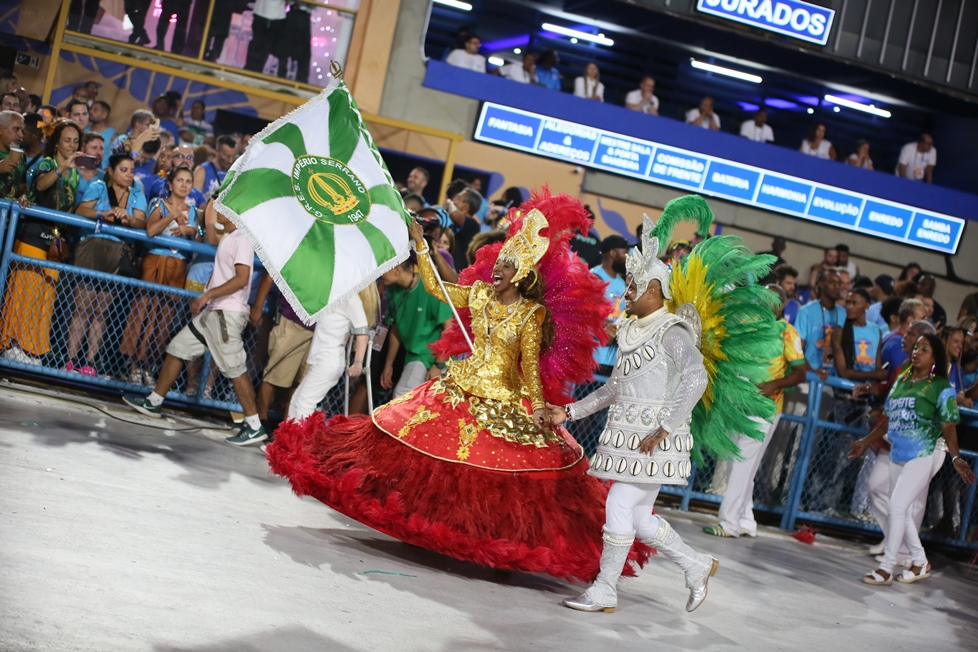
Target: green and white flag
317,202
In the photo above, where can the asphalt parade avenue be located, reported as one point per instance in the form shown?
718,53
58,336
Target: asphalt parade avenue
141,535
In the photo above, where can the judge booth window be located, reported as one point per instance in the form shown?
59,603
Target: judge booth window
293,40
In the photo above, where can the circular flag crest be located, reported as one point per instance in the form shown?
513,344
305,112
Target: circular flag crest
329,191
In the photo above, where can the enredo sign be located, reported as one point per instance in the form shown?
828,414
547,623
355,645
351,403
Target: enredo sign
793,18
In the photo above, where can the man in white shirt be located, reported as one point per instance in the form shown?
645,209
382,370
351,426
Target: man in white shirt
704,115
917,160
757,129
525,73
641,99
468,57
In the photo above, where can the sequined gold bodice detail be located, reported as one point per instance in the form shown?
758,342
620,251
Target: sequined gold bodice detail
505,361
502,334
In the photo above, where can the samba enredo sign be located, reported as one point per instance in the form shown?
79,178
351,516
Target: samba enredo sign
316,201
801,20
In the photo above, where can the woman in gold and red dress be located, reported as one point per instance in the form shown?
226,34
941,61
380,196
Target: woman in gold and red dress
468,465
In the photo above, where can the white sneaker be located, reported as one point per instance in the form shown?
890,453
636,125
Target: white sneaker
13,353
877,549
17,354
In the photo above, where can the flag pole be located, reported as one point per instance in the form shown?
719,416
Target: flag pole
448,299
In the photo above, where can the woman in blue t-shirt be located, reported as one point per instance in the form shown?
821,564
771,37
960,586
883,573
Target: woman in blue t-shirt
920,409
116,200
151,317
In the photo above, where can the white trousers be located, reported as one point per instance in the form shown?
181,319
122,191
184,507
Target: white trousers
412,376
737,509
629,509
879,493
326,365
908,481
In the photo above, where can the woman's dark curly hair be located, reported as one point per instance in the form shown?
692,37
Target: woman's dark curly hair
532,288
938,351
59,126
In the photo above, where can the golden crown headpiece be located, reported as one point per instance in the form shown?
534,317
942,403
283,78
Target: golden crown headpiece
644,265
527,247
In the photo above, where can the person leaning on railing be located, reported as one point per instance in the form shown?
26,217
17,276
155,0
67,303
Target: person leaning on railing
920,409
151,317
115,199
25,323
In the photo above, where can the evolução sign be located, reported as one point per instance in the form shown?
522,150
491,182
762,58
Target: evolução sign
801,20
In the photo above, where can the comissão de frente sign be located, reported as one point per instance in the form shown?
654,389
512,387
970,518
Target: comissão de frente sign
801,20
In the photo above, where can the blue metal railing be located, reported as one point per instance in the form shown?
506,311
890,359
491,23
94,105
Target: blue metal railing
123,291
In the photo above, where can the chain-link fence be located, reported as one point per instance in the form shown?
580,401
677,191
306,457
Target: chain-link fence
88,327
96,328
832,489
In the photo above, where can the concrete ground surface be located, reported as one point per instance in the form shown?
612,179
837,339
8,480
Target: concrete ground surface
143,536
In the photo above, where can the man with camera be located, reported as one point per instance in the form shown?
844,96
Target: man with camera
462,205
433,221
142,142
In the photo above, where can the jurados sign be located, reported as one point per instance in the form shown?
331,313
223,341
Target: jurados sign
801,20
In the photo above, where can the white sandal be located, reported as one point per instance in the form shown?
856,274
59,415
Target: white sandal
909,577
876,579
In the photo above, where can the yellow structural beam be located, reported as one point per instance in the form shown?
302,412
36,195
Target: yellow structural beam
59,37
193,76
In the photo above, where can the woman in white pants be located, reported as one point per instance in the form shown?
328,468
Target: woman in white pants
879,496
327,354
920,409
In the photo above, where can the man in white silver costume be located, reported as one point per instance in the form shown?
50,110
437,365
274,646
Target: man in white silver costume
658,379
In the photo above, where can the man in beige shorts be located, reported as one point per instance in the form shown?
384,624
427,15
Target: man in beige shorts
288,347
220,316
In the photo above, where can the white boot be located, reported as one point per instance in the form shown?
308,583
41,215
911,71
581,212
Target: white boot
603,594
698,567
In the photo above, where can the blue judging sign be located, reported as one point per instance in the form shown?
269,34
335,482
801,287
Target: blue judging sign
710,175
801,20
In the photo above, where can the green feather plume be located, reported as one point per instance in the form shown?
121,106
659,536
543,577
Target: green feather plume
740,339
689,208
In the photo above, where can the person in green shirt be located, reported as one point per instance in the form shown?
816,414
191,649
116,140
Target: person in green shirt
920,409
416,320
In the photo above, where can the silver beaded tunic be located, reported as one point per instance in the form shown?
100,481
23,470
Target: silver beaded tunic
657,380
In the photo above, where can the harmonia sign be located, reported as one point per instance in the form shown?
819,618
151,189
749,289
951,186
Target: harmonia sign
801,20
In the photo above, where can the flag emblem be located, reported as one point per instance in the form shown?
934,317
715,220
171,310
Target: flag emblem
314,198
329,191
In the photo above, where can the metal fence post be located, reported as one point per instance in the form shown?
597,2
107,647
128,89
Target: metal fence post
800,471
966,515
8,225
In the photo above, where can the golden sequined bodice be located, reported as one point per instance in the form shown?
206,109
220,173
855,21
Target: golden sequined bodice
505,361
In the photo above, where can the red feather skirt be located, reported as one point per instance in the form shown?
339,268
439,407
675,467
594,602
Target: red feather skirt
411,485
